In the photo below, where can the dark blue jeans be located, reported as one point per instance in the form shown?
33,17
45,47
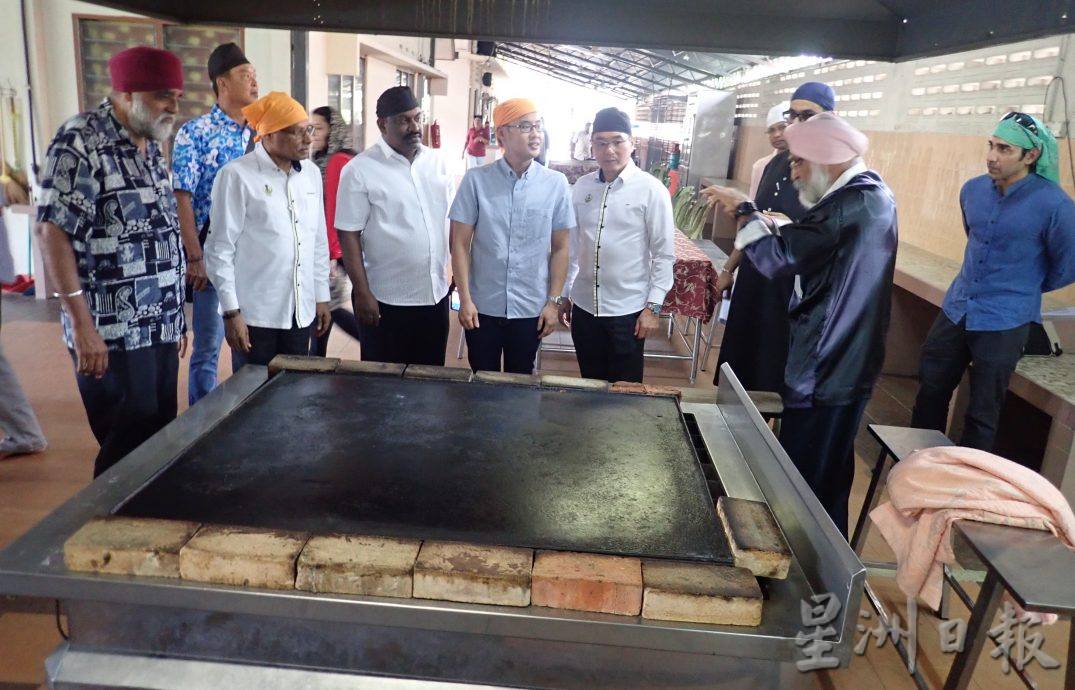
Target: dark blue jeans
516,340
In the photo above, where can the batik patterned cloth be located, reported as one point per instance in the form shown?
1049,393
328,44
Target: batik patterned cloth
202,147
119,209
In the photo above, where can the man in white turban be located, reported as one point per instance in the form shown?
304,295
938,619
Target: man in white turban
844,250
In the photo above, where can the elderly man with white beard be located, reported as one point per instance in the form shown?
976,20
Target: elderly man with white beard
844,251
109,233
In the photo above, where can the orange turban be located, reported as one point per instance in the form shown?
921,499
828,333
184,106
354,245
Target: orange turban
273,112
511,110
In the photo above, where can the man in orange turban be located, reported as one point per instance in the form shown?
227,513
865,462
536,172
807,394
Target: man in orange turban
510,244
267,251
273,112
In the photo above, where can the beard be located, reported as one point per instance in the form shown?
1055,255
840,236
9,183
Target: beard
813,188
144,124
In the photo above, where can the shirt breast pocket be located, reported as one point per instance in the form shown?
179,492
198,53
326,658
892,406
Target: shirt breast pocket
537,223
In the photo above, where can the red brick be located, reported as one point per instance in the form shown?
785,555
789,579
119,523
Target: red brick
587,582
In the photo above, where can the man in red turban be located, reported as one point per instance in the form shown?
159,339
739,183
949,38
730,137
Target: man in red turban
109,232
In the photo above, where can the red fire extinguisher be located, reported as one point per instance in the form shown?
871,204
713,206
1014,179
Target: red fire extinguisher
434,134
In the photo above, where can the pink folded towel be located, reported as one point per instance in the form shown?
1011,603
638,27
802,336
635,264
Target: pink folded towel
932,488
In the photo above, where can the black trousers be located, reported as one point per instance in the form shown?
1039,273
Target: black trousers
606,346
135,399
407,335
992,356
340,317
266,343
514,340
821,443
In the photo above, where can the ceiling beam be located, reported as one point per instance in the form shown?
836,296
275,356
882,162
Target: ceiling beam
595,63
557,70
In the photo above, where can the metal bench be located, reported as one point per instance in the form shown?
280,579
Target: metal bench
1032,565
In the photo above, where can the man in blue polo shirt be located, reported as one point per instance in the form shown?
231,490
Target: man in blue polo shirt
510,223
1020,229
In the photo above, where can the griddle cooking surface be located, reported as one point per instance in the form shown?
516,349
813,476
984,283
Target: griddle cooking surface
497,464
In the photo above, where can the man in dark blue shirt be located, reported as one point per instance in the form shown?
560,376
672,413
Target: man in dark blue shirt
1020,229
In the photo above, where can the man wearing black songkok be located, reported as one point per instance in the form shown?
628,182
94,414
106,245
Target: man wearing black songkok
202,147
392,218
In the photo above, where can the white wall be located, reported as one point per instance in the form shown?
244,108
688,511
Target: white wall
452,113
380,76
269,50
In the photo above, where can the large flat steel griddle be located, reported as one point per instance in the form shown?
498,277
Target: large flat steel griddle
512,465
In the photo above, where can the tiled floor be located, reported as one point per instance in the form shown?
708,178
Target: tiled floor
30,487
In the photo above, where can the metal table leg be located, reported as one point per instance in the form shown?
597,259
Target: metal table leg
694,349
959,676
709,340
870,501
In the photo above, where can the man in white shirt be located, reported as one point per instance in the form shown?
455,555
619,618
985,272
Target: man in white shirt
267,250
580,143
392,218
621,257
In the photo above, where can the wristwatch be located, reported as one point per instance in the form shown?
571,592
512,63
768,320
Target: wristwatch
654,307
745,209
558,300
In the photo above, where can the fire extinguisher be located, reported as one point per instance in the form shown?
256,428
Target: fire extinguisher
434,134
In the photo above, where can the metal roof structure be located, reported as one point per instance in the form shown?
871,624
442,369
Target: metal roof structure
665,43
889,30
628,72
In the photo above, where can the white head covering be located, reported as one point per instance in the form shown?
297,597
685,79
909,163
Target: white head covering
776,113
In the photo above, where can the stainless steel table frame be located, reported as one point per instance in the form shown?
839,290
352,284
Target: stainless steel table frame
131,632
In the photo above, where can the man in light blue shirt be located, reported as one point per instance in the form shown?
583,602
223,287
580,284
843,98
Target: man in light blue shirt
510,223
1020,229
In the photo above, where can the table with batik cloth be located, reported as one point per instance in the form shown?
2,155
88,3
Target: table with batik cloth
693,298
573,169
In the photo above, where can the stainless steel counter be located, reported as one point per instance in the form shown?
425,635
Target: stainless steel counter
157,633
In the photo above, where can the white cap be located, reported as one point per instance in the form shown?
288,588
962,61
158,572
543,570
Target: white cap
776,114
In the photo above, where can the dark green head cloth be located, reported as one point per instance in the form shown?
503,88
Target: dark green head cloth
1028,132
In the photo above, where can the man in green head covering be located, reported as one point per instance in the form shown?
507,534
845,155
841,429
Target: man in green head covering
1020,227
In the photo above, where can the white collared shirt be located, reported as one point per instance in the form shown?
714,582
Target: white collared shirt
624,248
267,250
401,209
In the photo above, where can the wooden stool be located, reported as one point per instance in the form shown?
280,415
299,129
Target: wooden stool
771,407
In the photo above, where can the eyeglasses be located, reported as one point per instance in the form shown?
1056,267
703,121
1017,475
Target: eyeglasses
527,127
299,133
603,144
1023,120
793,115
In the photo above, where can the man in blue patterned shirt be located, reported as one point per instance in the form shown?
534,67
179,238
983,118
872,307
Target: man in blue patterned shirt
202,147
109,232
1020,228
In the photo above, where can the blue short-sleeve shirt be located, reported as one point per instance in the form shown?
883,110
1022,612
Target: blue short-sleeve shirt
514,218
